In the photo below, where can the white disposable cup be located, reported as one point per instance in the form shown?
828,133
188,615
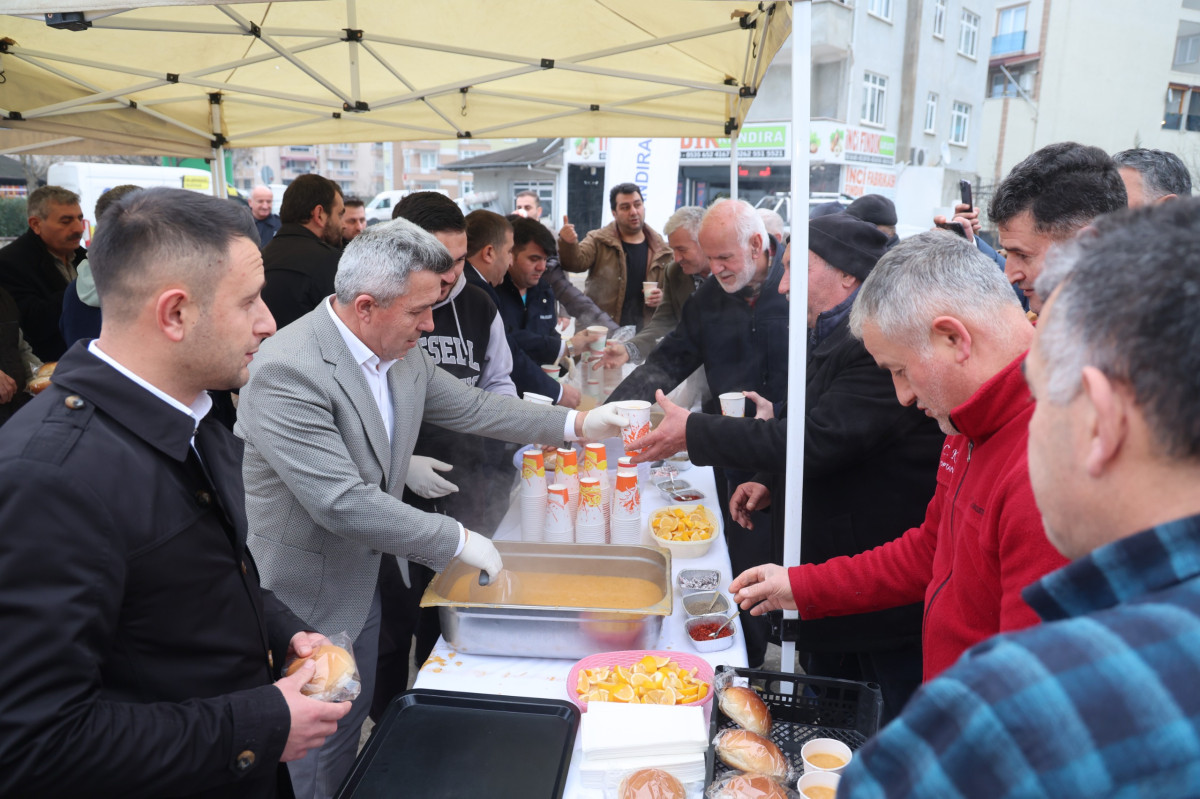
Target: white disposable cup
638,414
533,518
560,527
537,399
647,287
817,779
733,403
550,369
590,511
600,334
825,746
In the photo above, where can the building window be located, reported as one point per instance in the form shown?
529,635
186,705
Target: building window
931,113
1173,112
968,34
1010,31
427,185
874,99
429,160
545,193
960,123
880,8
1187,49
939,18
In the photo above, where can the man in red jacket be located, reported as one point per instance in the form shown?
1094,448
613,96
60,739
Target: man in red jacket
943,321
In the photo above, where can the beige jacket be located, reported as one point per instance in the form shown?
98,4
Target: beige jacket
600,255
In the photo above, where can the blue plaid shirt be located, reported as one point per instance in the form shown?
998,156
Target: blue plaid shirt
1100,700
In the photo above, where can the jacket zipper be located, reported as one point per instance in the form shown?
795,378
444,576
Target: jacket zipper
938,590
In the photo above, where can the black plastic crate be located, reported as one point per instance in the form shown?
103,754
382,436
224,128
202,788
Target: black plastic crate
816,707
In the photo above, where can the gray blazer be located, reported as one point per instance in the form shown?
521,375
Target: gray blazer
323,485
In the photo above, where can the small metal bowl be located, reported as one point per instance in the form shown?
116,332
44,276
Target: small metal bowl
706,603
696,581
711,644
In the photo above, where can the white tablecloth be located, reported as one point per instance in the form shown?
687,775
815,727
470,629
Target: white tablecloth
449,670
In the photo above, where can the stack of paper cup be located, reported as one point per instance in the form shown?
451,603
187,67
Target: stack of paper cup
626,522
589,522
638,414
567,473
560,526
595,464
733,403
596,348
533,496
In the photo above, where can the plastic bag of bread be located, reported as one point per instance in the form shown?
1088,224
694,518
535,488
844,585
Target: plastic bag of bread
651,783
335,678
751,752
41,380
742,705
749,786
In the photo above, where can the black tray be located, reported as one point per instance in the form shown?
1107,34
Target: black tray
448,744
816,707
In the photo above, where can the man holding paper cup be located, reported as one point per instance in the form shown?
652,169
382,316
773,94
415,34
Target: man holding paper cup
330,417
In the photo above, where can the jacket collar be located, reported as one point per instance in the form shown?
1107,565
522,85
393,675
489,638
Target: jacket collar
609,235
994,404
829,321
1121,571
296,229
133,407
34,239
348,374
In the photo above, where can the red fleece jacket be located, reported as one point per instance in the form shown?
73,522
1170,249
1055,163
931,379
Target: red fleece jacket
981,542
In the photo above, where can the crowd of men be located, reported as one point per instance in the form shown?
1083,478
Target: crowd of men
1000,523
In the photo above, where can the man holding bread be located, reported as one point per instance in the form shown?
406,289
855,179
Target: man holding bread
142,658
330,418
1100,698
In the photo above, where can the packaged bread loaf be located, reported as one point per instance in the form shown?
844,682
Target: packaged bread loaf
751,752
335,674
748,786
745,709
651,783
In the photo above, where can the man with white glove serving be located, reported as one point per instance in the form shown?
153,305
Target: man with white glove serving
329,417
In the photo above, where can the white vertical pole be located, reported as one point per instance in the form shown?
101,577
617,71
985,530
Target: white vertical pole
797,318
733,166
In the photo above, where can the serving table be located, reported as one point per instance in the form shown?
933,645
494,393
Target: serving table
450,670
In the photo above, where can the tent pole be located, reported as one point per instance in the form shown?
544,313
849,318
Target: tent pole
798,322
733,165
218,169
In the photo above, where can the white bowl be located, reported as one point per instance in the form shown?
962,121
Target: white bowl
685,549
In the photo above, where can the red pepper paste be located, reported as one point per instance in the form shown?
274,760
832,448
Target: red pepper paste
701,632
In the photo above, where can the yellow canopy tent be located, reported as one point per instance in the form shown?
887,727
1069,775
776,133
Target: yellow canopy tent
186,78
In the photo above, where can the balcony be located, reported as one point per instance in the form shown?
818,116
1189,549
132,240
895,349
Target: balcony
832,23
1008,43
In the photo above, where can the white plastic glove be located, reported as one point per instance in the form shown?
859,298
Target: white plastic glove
481,553
424,481
603,422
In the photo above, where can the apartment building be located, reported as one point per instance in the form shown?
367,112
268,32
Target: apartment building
1112,73
359,169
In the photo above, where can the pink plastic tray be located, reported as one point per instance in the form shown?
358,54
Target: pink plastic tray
704,670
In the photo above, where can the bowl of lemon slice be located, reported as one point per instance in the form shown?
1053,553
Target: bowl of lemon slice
686,530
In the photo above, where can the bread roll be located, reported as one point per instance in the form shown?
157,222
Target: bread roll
46,369
652,783
37,385
334,669
752,786
746,709
748,751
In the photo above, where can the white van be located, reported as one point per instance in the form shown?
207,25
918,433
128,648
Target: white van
90,180
380,208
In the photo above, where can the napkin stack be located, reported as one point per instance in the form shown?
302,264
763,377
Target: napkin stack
616,738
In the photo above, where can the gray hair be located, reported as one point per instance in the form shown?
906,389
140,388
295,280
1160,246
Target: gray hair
380,260
688,217
772,221
1127,307
1162,172
40,201
926,276
746,221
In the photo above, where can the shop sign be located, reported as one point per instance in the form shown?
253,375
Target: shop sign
754,142
860,180
845,144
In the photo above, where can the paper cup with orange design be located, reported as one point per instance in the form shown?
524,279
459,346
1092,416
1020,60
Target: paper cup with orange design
638,414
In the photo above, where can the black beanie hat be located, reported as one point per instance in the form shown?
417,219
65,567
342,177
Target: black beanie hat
873,208
846,243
